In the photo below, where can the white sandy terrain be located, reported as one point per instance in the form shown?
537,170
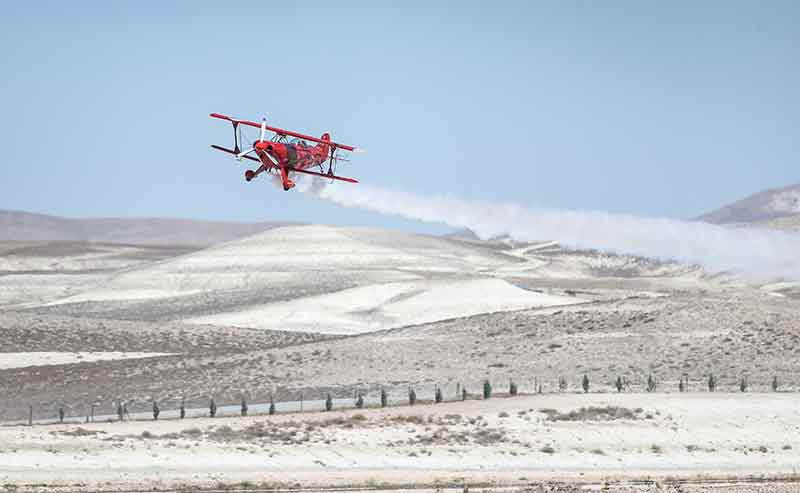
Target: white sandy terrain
45,358
511,440
289,256
300,278
384,306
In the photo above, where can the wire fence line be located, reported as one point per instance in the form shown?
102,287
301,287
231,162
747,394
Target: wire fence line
390,396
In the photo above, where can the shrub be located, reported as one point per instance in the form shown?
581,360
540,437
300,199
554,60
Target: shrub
192,432
593,413
651,383
547,449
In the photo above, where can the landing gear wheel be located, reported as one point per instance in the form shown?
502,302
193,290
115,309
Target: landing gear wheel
249,175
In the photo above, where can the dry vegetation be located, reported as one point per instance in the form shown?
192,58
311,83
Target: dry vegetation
592,413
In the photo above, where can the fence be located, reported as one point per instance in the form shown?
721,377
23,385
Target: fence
120,410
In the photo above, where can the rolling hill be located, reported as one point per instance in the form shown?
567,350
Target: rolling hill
778,208
28,226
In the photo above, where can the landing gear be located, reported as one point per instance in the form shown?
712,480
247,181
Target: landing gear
250,174
288,184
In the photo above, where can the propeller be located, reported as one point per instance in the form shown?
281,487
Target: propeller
261,137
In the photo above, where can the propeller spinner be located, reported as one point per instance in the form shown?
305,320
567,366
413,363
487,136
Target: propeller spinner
261,137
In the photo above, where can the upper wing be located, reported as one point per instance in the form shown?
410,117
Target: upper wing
281,131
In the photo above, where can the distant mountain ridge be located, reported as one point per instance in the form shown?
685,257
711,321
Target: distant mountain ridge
774,207
28,226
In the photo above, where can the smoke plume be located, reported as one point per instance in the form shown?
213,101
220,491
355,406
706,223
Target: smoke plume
751,251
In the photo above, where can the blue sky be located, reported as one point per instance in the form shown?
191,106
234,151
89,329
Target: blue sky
659,109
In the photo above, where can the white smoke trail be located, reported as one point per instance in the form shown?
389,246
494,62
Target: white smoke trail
751,251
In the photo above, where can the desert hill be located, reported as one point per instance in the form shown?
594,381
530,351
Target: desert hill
776,207
28,226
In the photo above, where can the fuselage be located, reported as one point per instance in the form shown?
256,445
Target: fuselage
289,157
292,156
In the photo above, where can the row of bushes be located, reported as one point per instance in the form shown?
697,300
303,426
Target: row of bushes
621,384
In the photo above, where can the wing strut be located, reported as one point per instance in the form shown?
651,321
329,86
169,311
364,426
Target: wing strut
236,148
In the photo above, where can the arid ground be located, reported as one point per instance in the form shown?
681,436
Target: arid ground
297,313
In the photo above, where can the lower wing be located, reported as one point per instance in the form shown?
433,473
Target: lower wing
291,170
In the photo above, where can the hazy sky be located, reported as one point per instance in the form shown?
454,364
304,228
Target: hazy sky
661,109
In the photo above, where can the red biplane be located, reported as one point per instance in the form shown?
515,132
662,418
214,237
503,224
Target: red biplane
284,156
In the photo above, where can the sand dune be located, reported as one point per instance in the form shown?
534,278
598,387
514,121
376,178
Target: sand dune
390,305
